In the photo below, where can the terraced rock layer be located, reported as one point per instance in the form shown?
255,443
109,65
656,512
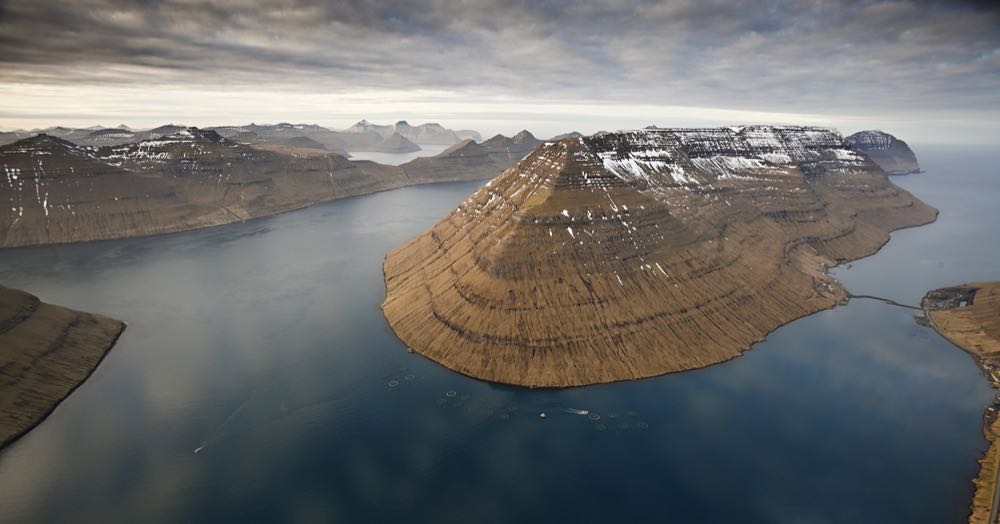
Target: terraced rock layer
634,254
46,351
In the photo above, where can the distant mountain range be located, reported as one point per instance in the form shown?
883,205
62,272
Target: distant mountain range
53,190
400,137
425,134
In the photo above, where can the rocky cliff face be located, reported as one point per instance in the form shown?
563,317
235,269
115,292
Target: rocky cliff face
633,254
891,154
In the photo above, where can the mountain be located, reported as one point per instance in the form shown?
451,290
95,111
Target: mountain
365,126
890,153
468,160
276,136
94,135
109,136
632,254
424,134
295,146
571,134
396,143
46,351
57,191
168,129
468,134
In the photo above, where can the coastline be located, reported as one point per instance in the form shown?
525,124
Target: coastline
237,220
41,341
971,323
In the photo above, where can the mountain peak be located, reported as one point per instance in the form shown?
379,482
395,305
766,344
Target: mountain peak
42,142
523,136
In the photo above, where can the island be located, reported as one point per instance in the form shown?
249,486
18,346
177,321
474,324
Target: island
46,352
893,155
968,316
633,254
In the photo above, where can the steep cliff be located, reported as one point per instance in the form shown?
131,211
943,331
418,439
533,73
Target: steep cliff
891,154
632,254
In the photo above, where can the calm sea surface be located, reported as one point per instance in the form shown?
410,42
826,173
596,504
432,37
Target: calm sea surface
258,381
395,159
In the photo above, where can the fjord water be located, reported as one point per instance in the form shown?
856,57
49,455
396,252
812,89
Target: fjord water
395,159
257,380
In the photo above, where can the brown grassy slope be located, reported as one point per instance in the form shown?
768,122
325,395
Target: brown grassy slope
46,352
562,273
976,329
55,192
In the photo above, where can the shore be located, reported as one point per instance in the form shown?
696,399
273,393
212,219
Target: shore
46,352
969,317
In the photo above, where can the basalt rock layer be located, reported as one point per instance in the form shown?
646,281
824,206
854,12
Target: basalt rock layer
633,254
46,351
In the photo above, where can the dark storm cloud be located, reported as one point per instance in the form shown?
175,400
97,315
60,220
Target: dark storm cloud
805,55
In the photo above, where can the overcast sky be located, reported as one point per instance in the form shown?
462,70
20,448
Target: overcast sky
927,71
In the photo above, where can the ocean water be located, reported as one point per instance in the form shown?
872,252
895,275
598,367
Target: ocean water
258,381
395,159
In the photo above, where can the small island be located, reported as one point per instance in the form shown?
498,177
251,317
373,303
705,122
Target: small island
893,155
969,316
46,352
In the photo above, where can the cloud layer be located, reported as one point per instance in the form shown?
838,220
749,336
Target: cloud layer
845,57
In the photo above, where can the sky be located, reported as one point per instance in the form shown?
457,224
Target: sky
926,71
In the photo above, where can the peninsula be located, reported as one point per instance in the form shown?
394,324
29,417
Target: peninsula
46,352
632,254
